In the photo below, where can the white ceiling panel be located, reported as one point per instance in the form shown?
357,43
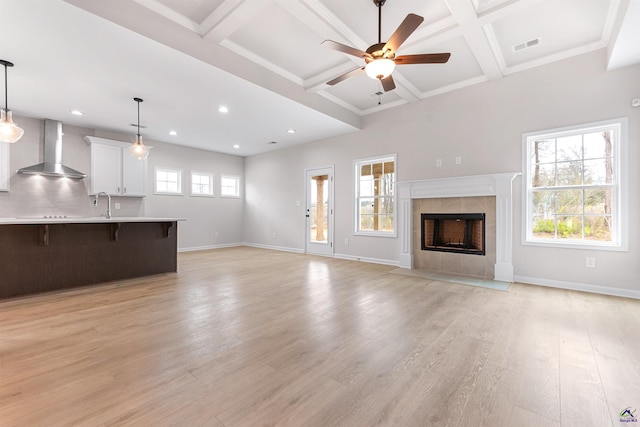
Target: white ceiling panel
462,66
560,25
195,10
282,39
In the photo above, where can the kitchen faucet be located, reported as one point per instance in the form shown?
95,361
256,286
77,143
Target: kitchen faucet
95,202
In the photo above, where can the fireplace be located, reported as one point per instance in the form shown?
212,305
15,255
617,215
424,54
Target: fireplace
498,259
453,232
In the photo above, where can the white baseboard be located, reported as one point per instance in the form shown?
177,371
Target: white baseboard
596,289
275,248
204,248
367,259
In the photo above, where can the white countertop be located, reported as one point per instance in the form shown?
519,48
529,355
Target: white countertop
84,220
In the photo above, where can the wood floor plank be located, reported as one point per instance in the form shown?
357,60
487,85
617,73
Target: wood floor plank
247,336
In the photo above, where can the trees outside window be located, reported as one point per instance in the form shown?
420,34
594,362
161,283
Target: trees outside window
574,185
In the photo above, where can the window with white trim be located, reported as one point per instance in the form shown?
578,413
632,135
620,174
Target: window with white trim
574,182
201,184
375,180
168,181
229,186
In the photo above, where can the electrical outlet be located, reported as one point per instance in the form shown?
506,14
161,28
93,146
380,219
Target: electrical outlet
274,235
438,163
458,160
346,242
216,234
298,203
591,262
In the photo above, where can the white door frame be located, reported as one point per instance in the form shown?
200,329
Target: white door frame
311,247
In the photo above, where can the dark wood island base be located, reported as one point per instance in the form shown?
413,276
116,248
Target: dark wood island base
44,257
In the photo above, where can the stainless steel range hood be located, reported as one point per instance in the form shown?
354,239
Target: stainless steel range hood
52,165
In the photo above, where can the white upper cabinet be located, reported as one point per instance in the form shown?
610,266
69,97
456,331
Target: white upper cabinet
4,166
114,170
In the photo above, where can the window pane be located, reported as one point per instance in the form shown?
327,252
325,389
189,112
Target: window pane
569,148
599,171
365,170
597,201
569,173
543,227
598,144
162,186
544,203
569,202
366,205
543,151
570,227
597,228
366,222
366,186
543,175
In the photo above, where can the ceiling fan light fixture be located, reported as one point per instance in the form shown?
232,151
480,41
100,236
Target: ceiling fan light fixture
9,131
380,68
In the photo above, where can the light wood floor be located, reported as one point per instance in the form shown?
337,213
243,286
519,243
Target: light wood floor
245,336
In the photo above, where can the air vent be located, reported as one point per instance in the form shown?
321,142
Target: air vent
376,94
526,45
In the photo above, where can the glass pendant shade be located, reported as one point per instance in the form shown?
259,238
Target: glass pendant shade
138,149
9,131
380,68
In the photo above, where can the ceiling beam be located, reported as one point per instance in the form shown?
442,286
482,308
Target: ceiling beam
464,13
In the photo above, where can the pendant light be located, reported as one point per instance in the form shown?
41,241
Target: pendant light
138,149
9,131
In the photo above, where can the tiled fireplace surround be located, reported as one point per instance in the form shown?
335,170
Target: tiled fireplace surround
491,194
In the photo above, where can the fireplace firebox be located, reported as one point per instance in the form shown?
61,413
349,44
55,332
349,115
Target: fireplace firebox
455,232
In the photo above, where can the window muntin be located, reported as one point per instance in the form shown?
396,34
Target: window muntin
201,184
168,181
375,196
574,181
229,186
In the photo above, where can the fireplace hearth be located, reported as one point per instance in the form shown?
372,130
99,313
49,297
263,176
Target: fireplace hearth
453,232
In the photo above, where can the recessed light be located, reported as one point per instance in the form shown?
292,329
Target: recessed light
173,133
236,146
291,131
223,109
76,112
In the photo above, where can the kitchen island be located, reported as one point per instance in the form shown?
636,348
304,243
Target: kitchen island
45,254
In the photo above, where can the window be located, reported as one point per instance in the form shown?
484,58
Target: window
375,201
201,184
574,181
229,186
168,181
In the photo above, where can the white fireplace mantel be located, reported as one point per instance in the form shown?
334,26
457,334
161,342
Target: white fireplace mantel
499,185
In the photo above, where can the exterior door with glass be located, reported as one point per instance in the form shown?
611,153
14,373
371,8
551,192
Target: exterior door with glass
319,211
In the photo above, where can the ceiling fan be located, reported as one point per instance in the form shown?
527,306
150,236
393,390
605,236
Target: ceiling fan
381,57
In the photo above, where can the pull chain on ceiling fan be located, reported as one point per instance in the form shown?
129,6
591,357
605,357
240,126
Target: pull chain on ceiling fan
380,58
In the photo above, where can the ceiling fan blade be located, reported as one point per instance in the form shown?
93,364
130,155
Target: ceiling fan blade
408,26
345,49
388,83
426,58
345,76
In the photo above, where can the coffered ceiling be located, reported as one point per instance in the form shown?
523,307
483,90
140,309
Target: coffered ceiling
266,57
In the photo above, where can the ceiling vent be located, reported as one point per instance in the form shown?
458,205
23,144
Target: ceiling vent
526,45
378,93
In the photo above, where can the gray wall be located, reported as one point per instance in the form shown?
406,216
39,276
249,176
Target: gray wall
35,196
483,124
